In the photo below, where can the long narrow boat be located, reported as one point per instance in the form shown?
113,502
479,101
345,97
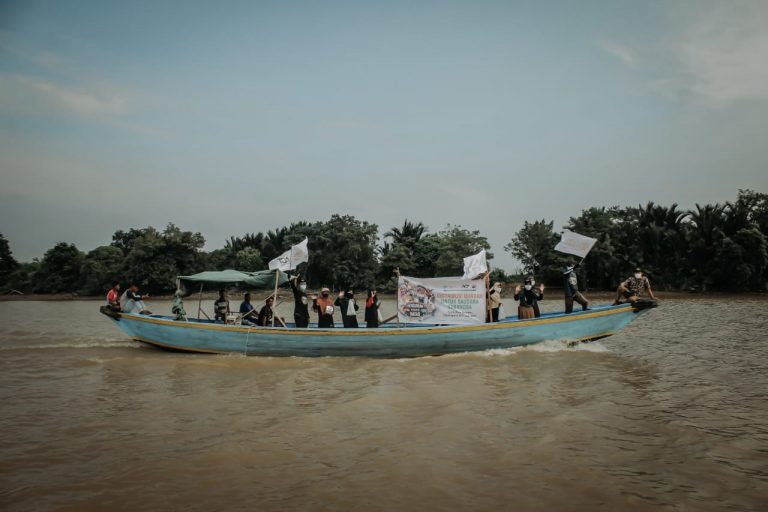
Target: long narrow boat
387,341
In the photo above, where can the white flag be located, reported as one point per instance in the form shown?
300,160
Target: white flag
475,265
291,258
576,244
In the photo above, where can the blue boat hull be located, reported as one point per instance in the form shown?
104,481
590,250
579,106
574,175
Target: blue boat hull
387,341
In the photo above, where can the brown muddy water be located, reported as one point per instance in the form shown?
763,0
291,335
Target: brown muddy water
670,414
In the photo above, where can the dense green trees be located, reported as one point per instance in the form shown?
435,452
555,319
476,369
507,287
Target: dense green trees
720,246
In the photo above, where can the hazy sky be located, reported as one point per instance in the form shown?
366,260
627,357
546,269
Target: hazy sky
228,117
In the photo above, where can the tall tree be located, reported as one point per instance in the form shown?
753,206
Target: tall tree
7,262
534,246
59,269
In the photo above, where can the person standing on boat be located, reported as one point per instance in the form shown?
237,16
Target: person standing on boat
113,297
372,305
529,298
494,297
247,311
633,288
177,308
300,302
221,307
346,302
571,289
324,307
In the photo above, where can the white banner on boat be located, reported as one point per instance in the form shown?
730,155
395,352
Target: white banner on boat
441,300
291,258
576,244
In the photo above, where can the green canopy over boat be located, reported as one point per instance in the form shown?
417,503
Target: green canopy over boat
260,279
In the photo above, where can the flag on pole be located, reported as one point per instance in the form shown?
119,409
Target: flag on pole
475,265
576,244
291,258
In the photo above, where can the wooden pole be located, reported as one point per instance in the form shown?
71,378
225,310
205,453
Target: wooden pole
488,294
274,295
397,296
200,301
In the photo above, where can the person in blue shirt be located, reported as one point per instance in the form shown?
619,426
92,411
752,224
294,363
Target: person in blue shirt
250,315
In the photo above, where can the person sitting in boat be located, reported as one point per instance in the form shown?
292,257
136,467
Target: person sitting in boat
177,308
633,288
372,305
113,297
266,313
221,308
529,298
132,301
249,315
494,297
323,305
346,302
300,302
571,288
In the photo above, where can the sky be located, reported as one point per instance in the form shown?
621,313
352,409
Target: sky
236,117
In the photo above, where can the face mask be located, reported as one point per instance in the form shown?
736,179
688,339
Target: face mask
528,286
638,276
302,287
498,288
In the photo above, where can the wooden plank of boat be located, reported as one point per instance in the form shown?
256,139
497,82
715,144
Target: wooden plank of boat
386,341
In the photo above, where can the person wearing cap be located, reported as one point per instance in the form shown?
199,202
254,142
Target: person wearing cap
571,288
300,302
494,297
323,305
529,298
633,288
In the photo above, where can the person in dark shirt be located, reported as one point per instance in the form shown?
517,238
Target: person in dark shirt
348,306
571,289
529,298
247,311
133,301
265,315
221,307
323,305
300,302
372,305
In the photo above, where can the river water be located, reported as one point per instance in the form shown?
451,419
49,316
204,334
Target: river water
670,414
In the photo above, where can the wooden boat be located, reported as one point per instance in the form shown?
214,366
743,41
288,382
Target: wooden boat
387,341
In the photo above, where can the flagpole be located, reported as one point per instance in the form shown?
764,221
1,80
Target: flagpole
397,297
274,295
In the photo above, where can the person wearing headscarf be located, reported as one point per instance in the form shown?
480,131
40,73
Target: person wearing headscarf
571,289
372,305
494,299
177,308
529,298
323,305
348,305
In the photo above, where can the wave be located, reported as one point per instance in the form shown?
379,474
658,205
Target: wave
544,346
100,343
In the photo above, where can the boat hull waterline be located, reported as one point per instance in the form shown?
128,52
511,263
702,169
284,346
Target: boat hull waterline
387,341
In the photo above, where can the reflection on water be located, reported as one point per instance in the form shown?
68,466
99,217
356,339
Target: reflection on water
668,415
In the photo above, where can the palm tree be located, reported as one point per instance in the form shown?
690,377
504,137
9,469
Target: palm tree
409,234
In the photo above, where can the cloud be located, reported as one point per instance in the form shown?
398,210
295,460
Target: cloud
715,54
723,53
24,92
623,53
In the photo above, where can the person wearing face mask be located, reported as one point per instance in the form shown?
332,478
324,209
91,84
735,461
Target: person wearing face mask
633,288
300,302
348,305
323,305
372,305
571,288
529,298
494,297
